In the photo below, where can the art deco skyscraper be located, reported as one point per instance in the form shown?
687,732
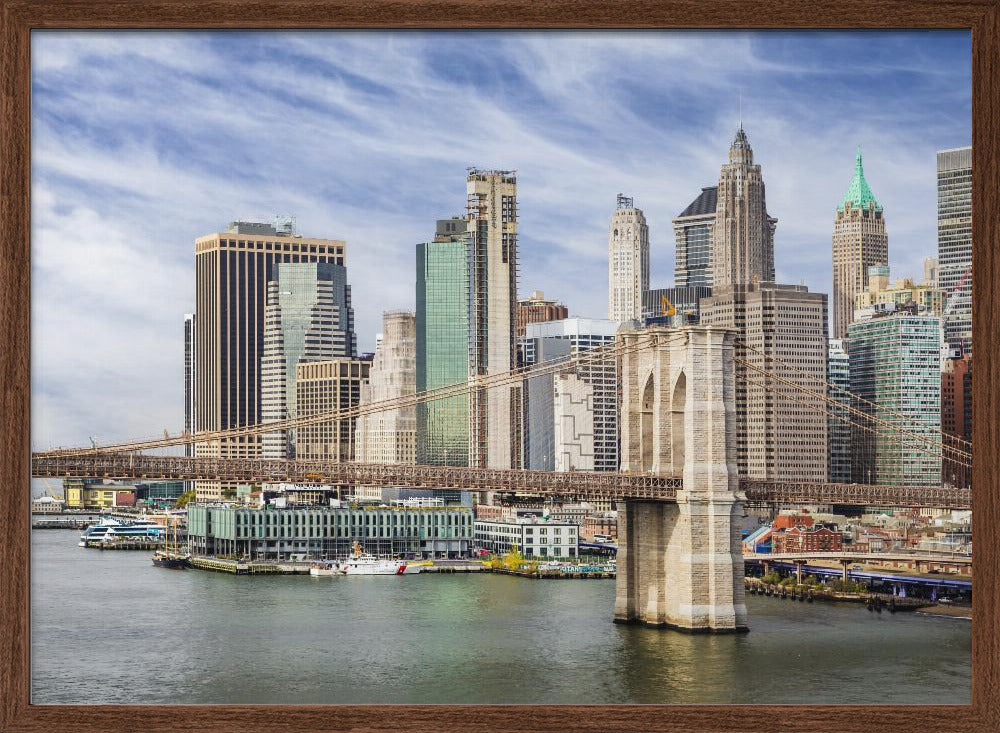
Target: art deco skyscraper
492,228
628,261
743,234
859,242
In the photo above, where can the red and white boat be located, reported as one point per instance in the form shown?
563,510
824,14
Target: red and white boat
361,563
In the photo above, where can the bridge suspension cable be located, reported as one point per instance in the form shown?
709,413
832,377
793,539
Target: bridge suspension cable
595,355
915,436
857,398
834,414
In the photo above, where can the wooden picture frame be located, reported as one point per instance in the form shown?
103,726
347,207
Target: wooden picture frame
19,17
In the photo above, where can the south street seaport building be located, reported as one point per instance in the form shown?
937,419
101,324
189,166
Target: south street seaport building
277,534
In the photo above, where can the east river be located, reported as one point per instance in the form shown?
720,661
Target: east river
109,627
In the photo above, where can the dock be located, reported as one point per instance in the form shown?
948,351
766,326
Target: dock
242,567
124,544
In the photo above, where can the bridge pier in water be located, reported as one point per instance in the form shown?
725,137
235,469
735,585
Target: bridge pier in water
680,565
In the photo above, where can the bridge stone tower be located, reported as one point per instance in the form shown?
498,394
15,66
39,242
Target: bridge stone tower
681,565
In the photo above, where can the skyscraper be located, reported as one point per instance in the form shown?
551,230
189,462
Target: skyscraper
189,359
492,221
743,233
232,269
838,377
859,242
777,436
308,317
390,436
896,368
956,417
628,261
693,232
442,344
954,177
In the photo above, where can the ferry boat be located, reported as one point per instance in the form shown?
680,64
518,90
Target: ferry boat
111,529
361,563
324,568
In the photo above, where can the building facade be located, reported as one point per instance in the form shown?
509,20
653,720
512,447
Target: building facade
442,344
743,231
928,298
536,309
859,242
308,317
571,417
956,416
492,220
896,371
232,269
838,379
189,385
327,387
673,303
693,233
533,537
278,534
390,436
628,261
783,329
954,185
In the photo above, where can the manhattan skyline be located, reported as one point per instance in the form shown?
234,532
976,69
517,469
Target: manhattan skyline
144,141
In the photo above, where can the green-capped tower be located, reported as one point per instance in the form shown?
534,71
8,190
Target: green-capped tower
859,242
859,195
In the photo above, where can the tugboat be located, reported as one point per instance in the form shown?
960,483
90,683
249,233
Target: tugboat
361,563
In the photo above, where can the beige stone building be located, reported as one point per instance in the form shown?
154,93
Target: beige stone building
390,436
859,242
628,261
322,387
777,437
929,299
232,269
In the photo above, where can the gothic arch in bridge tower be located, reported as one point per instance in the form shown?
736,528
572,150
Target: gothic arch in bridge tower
678,403
646,422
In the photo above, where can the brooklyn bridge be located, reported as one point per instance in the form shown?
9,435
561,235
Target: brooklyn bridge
679,490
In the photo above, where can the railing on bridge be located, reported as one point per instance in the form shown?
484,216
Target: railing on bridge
582,484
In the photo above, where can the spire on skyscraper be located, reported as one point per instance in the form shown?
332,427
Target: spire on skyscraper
859,194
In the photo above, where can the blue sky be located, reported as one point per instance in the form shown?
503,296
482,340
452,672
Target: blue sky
142,141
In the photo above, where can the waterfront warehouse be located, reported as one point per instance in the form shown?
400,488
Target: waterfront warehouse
278,534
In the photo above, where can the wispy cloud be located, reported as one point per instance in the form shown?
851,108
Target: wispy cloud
144,141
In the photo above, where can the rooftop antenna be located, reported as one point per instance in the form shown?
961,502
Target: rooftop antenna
741,110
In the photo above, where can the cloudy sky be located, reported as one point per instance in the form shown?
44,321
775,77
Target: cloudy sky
143,141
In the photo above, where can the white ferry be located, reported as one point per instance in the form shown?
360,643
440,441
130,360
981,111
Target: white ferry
361,563
111,529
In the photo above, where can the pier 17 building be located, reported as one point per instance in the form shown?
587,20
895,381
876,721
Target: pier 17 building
278,533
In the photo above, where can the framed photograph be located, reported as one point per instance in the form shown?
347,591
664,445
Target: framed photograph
673,302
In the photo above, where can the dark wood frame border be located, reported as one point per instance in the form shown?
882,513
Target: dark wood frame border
19,17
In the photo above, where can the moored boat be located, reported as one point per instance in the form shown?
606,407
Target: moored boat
324,568
361,563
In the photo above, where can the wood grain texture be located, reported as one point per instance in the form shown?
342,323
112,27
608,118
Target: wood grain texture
19,16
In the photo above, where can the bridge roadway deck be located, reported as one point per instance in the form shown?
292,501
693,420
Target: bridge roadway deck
858,557
582,484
